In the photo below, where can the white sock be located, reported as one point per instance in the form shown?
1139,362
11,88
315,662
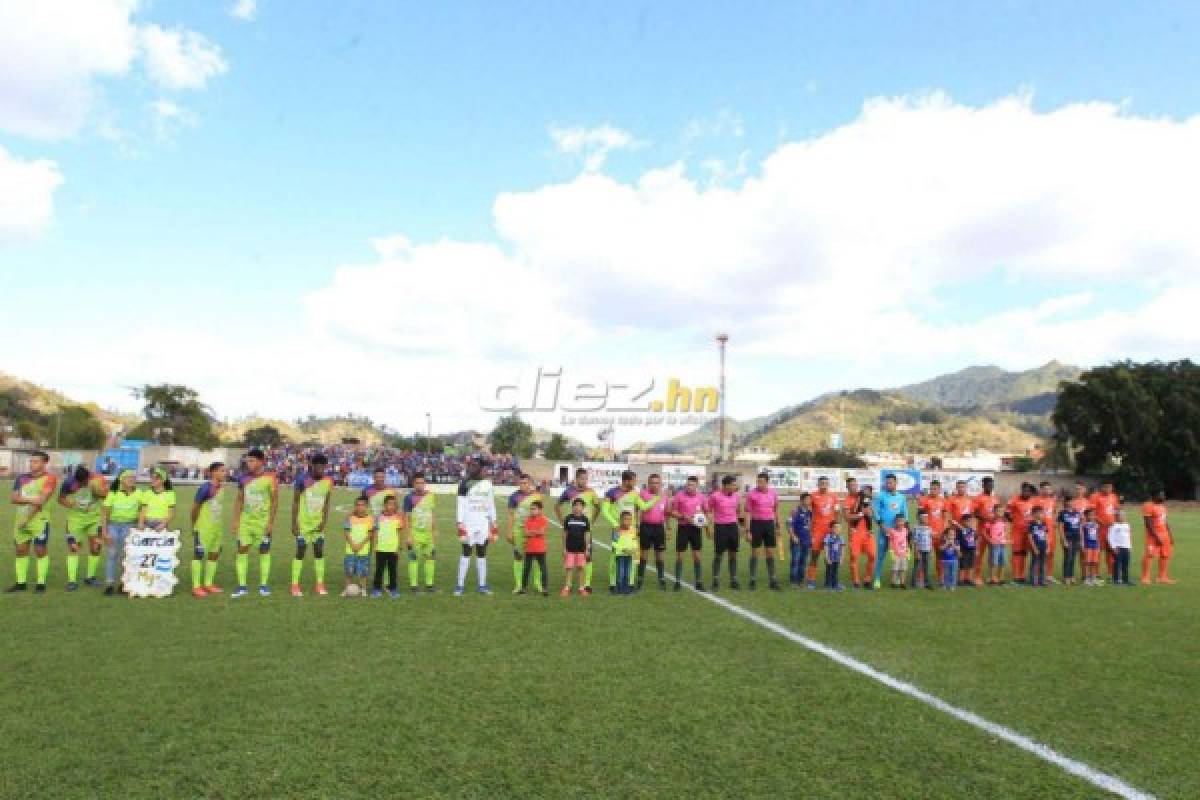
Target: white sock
481,570
464,563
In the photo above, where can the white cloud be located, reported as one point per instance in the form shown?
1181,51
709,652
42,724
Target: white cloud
179,58
168,118
839,260
592,146
57,56
245,10
51,54
26,196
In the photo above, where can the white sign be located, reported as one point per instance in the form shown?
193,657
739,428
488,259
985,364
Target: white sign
974,480
604,475
150,561
676,475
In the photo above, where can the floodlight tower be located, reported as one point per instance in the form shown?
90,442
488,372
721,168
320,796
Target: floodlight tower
722,340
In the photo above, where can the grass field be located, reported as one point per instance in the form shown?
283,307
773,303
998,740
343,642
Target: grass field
656,695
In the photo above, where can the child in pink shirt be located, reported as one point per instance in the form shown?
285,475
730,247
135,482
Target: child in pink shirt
898,542
996,533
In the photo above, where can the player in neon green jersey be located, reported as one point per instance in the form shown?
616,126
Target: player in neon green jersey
379,491
158,502
82,496
207,532
420,519
254,519
618,500
591,508
31,492
310,513
519,503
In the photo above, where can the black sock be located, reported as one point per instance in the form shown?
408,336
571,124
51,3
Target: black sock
753,568
696,569
771,569
662,569
716,567
641,573
732,567
679,570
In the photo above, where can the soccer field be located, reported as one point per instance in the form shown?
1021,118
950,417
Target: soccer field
661,694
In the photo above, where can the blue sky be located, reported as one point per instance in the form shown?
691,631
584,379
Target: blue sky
215,196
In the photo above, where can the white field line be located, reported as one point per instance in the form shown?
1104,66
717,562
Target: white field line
1109,783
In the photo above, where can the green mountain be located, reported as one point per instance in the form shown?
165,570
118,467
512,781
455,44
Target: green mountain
992,387
975,408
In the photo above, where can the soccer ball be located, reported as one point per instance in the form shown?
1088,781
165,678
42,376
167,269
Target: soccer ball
699,520
352,590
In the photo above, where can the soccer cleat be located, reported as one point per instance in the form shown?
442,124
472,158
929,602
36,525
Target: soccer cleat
734,585
264,590
545,594
198,591
662,586
753,586
297,591
566,592
430,589
240,591
214,589
699,586
393,593
321,590
677,586
110,591
875,585
587,590
612,589
458,591
485,589
72,586
91,582
376,593
40,588
520,591
16,587
811,586
775,587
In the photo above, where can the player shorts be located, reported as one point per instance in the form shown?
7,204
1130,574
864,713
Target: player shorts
967,559
83,530
1156,550
818,543
996,555
422,544
38,534
762,533
356,566
726,537
574,560
862,543
252,534
1091,555
209,540
653,536
688,537
478,537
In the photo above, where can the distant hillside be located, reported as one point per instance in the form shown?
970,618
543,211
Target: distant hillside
888,422
992,387
975,408
41,401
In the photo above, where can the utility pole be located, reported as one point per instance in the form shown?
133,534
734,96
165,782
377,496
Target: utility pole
722,340
428,433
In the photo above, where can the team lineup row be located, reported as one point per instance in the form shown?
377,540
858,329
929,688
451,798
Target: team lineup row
955,536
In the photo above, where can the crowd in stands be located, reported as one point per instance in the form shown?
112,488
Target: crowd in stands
400,465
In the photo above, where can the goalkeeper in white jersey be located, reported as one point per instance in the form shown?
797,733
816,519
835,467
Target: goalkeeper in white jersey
476,525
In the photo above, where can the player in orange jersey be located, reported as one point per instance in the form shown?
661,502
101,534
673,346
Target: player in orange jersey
1160,542
856,510
825,512
1105,503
